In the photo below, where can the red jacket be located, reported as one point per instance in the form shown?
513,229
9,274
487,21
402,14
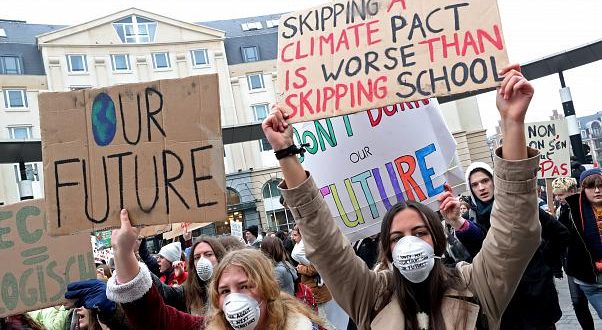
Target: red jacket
150,312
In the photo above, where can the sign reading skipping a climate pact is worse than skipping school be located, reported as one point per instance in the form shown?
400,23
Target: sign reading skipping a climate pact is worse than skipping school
153,148
348,56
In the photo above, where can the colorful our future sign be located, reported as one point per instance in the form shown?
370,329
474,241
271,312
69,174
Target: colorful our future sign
551,138
36,268
348,56
154,148
366,162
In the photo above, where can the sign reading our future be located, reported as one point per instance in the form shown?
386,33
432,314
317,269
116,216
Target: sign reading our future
349,56
366,162
153,148
551,138
36,268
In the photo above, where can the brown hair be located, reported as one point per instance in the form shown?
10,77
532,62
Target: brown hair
195,289
259,270
273,248
231,243
106,270
592,181
440,280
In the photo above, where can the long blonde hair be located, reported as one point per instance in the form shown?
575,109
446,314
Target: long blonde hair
259,270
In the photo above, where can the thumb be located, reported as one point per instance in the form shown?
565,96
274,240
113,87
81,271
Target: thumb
125,219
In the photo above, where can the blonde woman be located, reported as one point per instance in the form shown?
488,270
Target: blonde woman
243,293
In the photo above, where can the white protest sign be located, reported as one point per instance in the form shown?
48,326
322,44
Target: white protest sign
236,229
366,162
551,138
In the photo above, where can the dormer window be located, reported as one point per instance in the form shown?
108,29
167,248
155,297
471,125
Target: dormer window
251,26
136,30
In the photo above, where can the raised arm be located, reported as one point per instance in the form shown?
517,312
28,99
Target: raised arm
515,229
148,259
325,246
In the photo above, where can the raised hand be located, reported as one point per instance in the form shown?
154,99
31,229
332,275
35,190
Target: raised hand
278,132
514,95
124,245
449,206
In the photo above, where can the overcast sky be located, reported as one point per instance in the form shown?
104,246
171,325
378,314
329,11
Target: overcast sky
532,28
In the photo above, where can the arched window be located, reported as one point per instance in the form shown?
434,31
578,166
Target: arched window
232,196
270,189
596,129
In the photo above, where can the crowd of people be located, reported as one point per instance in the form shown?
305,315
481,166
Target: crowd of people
484,261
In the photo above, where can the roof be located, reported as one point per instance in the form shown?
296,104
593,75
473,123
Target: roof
21,41
265,39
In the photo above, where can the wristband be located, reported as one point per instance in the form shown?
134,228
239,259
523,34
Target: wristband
291,150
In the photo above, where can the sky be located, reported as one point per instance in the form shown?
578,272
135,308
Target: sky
533,29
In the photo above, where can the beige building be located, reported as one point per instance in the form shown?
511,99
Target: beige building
134,45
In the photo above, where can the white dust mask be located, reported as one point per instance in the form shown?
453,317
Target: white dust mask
204,269
414,258
241,311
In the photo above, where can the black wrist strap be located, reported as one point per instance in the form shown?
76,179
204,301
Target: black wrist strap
291,150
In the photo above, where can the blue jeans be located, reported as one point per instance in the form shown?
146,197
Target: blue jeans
593,292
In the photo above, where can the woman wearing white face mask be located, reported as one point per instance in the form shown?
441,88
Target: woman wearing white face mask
417,291
191,296
243,293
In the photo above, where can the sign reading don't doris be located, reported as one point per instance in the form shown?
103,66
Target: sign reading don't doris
153,148
349,56
36,268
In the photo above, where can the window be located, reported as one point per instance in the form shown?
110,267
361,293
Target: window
199,57
77,63
232,197
15,98
10,65
161,61
264,145
2,35
120,62
250,54
255,81
583,135
19,132
270,189
135,29
272,23
31,170
260,111
251,26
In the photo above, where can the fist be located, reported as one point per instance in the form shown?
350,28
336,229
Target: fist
278,132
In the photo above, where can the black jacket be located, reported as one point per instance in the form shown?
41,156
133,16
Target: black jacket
535,302
579,262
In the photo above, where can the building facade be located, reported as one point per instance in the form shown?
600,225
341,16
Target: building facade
136,46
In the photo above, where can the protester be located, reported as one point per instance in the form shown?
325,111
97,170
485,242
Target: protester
231,243
423,293
92,307
251,236
563,187
327,307
584,255
19,322
163,265
244,293
103,272
535,303
285,273
192,296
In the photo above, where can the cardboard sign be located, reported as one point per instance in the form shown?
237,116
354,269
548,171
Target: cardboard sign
179,229
36,268
154,148
236,229
552,140
366,162
348,56
153,230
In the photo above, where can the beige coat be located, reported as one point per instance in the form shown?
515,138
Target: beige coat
367,296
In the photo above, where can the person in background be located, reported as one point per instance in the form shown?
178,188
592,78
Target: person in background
52,318
562,188
584,254
162,267
285,273
251,236
103,272
19,322
231,243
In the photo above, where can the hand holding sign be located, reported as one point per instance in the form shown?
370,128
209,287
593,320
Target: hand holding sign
124,243
450,208
513,98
